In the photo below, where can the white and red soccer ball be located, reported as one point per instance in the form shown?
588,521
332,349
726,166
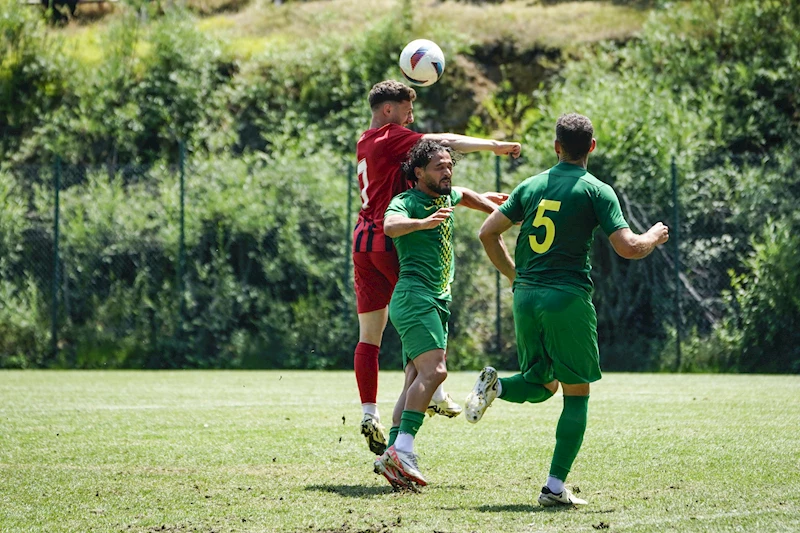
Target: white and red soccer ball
422,62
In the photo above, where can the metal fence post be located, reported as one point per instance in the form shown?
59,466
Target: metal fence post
676,238
56,209
497,324
347,229
182,238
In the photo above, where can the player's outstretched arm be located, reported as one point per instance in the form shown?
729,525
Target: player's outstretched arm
398,225
491,236
466,144
629,245
486,202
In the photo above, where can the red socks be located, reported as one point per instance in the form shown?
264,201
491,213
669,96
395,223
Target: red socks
366,364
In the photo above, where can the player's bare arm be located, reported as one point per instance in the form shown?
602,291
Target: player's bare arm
466,144
398,225
491,236
497,198
486,202
629,245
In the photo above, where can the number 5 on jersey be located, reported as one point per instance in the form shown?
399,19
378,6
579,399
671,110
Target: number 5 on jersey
541,220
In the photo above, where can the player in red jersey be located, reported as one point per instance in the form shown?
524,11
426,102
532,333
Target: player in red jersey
380,151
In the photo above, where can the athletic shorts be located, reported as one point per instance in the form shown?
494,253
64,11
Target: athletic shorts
556,336
421,322
375,277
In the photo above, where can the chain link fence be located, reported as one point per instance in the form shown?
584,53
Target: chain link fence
96,269
97,272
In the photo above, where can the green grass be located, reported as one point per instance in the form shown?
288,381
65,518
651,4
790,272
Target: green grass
525,22
280,451
250,28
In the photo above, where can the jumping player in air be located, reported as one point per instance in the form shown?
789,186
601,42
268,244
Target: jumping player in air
380,151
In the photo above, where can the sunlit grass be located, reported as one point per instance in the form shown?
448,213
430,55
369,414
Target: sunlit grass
261,24
280,451
84,43
526,22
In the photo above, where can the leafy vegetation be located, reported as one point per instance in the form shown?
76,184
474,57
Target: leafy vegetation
268,122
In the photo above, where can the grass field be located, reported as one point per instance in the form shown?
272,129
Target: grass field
280,451
249,28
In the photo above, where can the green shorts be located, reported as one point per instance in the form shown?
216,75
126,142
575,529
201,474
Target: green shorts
421,322
556,336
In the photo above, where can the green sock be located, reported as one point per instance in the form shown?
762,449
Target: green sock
517,390
393,435
569,435
410,422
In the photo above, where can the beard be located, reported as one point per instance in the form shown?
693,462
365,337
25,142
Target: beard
441,189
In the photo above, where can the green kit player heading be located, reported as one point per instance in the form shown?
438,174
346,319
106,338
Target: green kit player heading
420,222
554,318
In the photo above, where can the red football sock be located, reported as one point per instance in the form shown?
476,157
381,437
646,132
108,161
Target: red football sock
366,365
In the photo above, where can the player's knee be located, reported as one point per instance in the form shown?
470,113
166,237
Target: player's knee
439,375
579,389
370,334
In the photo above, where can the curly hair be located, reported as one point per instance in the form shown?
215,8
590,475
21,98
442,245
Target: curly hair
574,132
390,91
421,154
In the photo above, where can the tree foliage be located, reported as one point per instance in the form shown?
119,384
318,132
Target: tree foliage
710,86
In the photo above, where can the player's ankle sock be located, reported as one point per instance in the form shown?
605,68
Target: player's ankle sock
569,435
439,395
404,442
555,485
365,362
515,389
371,409
393,435
410,422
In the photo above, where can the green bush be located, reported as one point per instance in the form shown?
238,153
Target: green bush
765,302
266,281
33,75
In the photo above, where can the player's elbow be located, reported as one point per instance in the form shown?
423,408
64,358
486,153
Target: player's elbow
626,244
626,251
484,234
390,229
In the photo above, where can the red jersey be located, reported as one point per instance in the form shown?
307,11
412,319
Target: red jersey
380,153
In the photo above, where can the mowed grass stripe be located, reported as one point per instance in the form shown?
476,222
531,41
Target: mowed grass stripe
280,451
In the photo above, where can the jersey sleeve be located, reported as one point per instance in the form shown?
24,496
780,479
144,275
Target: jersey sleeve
609,213
512,207
455,197
397,207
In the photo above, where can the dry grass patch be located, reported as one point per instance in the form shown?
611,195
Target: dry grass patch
527,23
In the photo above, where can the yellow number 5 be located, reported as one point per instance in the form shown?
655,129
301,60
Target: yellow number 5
550,228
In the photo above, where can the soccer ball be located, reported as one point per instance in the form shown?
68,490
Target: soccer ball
422,62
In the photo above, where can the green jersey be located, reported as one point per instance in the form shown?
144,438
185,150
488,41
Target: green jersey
560,209
427,262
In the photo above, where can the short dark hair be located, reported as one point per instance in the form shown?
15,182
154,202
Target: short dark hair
390,91
421,154
574,132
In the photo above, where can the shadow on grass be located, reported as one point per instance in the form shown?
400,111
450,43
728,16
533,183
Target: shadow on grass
520,508
351,491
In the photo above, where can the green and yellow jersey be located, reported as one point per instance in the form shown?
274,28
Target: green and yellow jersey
560,209
427,261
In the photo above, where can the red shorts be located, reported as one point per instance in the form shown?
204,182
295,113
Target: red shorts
375,277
